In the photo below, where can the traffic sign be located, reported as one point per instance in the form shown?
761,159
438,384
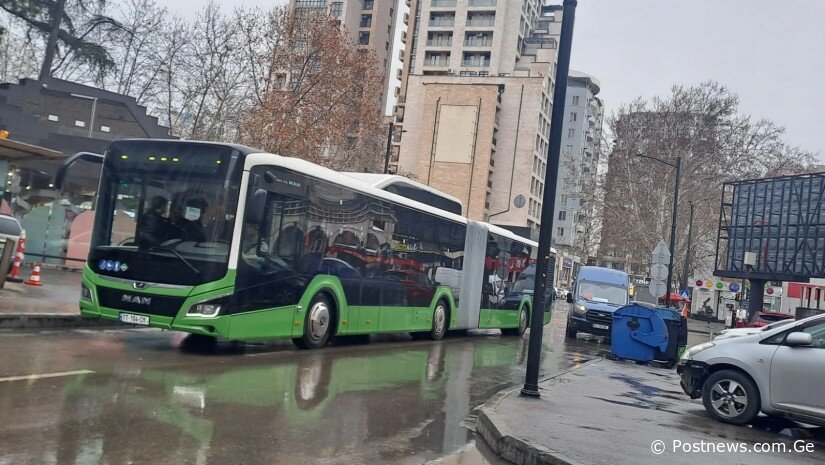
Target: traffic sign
685,295
660,254
658,272
657,288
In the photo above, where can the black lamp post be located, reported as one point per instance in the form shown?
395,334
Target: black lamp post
678,166
686,269
531,378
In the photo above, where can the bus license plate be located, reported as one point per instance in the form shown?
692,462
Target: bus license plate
134,319
601,326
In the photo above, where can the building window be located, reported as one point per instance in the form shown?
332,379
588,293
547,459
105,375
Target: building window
336,8
562,215
366,21
363,38
575,100
387,46
392,10
571,133
573,117
560,232
367,5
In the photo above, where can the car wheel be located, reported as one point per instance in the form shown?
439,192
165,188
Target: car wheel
570,332
317,325
731,397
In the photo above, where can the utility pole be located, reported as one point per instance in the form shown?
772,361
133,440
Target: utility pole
55,18
673,231
389,149
686,269
531,380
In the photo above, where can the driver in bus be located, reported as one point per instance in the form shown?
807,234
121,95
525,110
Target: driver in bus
154,228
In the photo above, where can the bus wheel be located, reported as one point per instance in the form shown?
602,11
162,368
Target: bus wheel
522,325
440,321
317,324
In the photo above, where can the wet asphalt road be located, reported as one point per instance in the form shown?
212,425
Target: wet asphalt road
143,396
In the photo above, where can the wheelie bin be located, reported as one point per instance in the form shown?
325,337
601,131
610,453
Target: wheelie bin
639,333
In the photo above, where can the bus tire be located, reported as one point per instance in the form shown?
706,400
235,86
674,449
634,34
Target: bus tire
523,317
318,324
441,321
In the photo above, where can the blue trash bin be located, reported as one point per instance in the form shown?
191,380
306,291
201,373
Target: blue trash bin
639,333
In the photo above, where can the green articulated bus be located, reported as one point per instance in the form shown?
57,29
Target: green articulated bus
226,241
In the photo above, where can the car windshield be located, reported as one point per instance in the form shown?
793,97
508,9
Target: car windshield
172,205
9,226
603,293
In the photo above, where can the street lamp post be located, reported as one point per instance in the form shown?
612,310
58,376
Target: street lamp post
389,148
531,378
686,269
678,167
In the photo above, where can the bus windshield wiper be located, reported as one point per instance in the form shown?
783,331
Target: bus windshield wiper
175,253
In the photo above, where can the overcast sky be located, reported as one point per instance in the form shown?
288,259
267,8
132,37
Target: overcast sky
771,53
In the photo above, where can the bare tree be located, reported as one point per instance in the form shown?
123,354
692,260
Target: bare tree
700,124
314,92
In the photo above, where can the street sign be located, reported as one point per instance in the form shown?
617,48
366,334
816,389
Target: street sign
685,295
657,288
658,272
660,254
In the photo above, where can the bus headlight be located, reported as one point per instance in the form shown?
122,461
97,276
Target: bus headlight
86,293
204,309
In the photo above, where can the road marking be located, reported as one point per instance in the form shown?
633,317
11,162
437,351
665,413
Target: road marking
47,375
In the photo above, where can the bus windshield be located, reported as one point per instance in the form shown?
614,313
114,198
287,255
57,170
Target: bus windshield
165,212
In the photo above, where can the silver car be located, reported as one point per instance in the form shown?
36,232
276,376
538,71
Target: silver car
780,372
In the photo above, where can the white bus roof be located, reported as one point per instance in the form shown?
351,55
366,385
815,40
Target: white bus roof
381,181
365,187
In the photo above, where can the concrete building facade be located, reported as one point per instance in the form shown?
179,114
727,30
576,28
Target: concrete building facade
369,23
475,104
573,224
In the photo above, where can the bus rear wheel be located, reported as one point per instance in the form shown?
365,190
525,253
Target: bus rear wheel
317,324
522,325
441,320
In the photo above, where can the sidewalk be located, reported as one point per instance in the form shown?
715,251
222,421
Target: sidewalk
54,304
609,412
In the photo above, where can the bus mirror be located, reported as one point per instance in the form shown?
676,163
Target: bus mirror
270,177
255,207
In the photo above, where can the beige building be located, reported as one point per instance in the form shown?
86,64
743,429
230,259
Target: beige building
370,23
475,103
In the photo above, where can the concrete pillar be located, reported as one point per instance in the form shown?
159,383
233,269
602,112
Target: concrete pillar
756,297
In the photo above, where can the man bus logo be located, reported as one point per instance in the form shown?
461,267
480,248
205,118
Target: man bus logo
136,299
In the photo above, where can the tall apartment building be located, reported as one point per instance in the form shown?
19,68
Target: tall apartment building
475,103
370,24
572,235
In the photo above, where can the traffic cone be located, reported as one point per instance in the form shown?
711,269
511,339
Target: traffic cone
34,280
14,276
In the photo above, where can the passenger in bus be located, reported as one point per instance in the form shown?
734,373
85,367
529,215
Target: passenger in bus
193,220
154,227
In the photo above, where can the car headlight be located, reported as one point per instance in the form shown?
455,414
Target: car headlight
688,354
86,293
579,309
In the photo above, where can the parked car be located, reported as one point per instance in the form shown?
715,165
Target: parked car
765,318
10,229
747,331
598,292
779,372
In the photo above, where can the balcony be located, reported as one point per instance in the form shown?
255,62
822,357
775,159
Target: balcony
485,19
442,22
475,3
475,41
443,4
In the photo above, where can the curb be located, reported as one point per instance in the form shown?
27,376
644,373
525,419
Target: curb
493,430
49,320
